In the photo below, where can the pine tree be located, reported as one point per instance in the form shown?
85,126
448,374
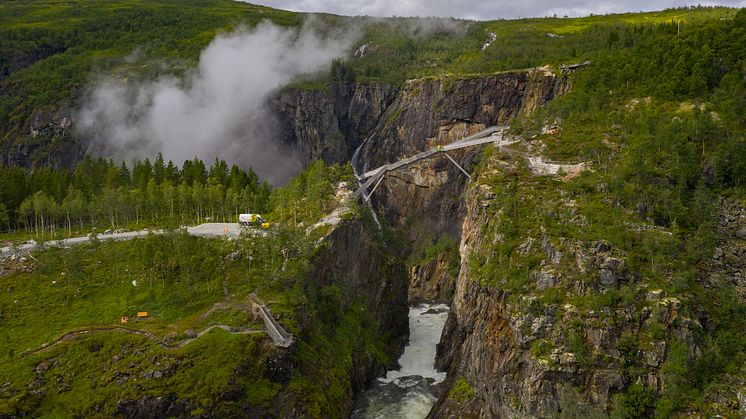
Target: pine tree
219,172
124,174
159,169
172,173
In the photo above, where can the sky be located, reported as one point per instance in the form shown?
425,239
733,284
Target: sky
482,9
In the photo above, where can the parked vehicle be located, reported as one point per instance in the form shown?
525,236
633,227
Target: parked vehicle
252,220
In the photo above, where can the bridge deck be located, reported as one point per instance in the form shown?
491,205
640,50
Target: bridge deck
489,135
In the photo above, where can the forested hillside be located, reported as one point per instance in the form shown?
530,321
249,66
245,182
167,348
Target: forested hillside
594,262
102,195
51,53
659,122
201,349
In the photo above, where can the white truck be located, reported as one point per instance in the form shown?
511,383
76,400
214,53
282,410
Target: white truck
252,220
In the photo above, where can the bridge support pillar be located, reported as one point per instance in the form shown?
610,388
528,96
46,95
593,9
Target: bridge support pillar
367,198
457,165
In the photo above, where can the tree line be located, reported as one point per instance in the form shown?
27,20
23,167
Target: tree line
103,194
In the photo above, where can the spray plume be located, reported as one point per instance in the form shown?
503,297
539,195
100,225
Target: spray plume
217,110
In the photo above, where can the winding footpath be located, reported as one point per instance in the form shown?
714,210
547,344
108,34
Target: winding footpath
280,337
99,329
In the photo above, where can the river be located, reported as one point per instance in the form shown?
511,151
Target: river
405,393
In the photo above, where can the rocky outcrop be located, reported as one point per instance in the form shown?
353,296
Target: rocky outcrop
153,407
51,123
47,140
729,259
433,280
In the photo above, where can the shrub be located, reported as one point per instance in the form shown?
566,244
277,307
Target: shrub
461,392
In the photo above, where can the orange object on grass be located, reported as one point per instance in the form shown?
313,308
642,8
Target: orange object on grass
142,314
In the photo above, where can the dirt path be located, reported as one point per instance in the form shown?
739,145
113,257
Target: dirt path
91,330
226,303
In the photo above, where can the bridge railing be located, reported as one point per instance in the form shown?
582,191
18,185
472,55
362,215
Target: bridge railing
277,333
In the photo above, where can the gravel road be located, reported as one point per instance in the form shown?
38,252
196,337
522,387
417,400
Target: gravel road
203,230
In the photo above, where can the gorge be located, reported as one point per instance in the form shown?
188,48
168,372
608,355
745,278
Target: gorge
592,263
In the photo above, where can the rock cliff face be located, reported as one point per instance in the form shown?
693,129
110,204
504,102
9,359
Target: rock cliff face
439,110
366,272
432,280
425,199
524,355
729,260
370,277
329,124
47,141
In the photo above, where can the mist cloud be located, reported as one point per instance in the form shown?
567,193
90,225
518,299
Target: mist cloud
219,109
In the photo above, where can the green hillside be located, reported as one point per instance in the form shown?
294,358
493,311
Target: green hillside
67,353
50,52
662,126
619,251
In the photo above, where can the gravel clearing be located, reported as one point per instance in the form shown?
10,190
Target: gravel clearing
210,230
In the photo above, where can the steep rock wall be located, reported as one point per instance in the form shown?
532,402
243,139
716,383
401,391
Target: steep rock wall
47,140
368,272
329,124
343,259
524,356
439,110
425,198
432,280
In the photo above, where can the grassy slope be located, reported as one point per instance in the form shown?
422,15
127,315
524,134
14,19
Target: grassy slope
176,287
179,280
456,47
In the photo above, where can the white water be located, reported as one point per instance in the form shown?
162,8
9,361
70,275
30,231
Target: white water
405,393
425,326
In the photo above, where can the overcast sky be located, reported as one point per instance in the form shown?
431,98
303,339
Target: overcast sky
482,9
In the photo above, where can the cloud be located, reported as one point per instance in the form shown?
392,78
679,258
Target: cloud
217,110
482,9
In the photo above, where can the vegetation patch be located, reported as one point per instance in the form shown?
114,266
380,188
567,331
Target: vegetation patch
461,392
